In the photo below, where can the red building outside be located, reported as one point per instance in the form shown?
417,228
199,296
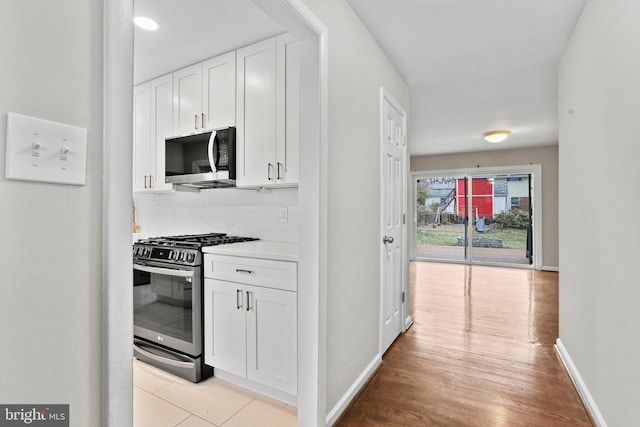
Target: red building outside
481,199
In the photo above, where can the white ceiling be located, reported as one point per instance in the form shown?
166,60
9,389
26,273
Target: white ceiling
474,66
193,30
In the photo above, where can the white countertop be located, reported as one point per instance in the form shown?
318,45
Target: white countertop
278,251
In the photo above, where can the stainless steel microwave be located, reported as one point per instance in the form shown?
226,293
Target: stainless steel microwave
203,160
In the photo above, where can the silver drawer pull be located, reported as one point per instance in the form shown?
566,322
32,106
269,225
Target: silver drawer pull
240,270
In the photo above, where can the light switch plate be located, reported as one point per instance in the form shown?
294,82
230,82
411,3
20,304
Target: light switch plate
44,151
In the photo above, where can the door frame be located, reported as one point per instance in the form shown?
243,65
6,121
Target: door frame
404,312
479,172
117,263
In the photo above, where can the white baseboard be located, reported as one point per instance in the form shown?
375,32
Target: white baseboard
548,268
583,391
357,385
289,399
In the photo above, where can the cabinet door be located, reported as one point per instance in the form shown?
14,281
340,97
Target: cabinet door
219,91
142,150
271,338
161,126
256,115
287,109
224,326
187,100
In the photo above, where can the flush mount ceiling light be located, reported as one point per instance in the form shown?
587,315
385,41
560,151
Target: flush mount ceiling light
145,23
496,135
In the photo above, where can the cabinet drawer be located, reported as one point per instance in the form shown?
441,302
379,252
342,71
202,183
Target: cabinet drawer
252,271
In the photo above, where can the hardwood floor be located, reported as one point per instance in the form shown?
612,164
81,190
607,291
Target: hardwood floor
480,353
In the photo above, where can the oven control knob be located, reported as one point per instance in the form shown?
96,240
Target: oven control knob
191,257
180,256
146,252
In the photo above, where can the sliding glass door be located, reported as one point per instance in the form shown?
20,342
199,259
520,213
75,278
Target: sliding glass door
502,219
441,218
480,218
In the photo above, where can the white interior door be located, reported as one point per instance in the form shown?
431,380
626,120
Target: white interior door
392,240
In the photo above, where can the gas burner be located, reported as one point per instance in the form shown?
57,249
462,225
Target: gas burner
182,249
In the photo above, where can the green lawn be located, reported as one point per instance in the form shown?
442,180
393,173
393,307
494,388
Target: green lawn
447,235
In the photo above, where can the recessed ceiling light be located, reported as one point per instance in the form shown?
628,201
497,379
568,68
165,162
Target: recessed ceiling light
496,135
145,23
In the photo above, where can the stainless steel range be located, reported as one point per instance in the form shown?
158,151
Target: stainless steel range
167,299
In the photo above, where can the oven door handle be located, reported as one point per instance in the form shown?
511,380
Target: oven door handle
165,271
165,360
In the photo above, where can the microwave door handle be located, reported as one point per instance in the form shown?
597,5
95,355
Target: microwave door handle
212,160
165,271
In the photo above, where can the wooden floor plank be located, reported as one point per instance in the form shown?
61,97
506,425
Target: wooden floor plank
480,353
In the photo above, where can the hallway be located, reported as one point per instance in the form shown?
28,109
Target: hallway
480,353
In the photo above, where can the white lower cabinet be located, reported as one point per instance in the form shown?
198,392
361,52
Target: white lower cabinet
251,330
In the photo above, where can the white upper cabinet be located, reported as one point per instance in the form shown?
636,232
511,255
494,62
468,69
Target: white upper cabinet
187,99
143,157
288,109
268,81
268,113
256,89
152,123
219,91
161,126
256,114
204,95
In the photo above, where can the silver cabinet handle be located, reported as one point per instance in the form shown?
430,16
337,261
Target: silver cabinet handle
238,299
248,303
145,181
150,181
387,239
279,164
196,122
203,120
240,270
269,168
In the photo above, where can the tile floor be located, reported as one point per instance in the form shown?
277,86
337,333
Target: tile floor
161,399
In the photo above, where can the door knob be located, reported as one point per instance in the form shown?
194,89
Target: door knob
387,239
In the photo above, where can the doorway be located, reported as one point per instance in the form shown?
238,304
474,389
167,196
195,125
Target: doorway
480,216
117,262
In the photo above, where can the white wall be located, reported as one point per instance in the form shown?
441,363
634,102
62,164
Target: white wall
599,157
357,69
546,156
232,211
50,249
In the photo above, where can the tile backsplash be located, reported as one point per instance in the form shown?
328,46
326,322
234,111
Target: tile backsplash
255,213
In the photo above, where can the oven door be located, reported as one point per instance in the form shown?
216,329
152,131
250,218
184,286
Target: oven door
168,307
